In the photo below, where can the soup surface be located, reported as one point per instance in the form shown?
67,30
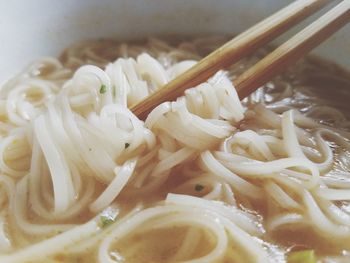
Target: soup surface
204,179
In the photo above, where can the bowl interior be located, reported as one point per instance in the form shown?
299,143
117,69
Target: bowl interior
36,28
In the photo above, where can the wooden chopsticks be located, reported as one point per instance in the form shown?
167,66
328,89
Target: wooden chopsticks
250,40
293,49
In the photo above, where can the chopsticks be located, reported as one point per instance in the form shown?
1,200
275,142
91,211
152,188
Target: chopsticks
246,43
293,49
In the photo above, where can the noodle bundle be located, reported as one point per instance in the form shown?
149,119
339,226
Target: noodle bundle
206,178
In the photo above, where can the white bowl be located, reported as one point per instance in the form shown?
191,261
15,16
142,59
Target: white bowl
36,28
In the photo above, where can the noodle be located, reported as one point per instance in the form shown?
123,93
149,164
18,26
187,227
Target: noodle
206,178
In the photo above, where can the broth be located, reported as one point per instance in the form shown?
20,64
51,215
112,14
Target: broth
276,209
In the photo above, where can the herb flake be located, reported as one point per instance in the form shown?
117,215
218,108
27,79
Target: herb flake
198,187
103,89
127,145
304,256
106,221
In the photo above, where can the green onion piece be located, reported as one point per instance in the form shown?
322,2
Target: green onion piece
106,221
103,88
127,145
304,256
198,187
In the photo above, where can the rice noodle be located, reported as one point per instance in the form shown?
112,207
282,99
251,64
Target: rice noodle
205,178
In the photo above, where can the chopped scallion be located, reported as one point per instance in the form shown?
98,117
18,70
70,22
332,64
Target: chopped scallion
304,256
106,221
103,88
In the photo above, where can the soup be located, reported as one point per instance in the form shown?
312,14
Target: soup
204,179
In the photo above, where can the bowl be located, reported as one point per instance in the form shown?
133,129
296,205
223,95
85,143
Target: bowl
35,28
